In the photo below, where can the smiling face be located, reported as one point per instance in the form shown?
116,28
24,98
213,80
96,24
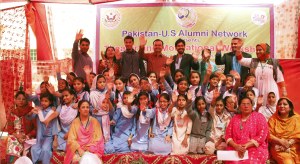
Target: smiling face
67,97
20,100
119,85
163,103
110,53
260,53
157,46
236,44
180,47
229,82
152,77
61,85
283,108
214,81
84,46
134,81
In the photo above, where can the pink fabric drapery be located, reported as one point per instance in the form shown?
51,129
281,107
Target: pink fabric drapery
15,63
36,17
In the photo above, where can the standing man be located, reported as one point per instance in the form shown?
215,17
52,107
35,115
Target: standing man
129,60
182,60
229,59
155,60
80,57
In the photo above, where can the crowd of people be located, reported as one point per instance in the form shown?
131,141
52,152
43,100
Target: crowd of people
174,105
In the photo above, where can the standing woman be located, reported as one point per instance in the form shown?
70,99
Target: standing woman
85,135
248,131
18,128
284,137
267,71
108,61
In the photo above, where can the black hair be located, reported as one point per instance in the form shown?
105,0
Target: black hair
72,74
213,76
179,41
80,79
202,52
252,91
20,93
240,100
158,40
114,59
150,72
291,105
182,95
165,96
48,96
84,40
92,73
220,98
71,91
81,102
117,92
129,37
144,78
178,71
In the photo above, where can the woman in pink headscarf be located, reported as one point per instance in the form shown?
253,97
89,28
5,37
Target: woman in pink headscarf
269,77
85,135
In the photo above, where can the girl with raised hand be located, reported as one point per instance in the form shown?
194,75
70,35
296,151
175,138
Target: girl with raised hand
120,88
81,89
66,114
195,87
221,119
161,130
202,123
41,151
124,121
140,139
100,103
182,126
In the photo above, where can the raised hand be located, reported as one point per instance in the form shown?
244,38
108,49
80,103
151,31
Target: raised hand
102,55
50,88
87,69
79,35
143,40
35,110
235,74
220,46
260,100
174,97
209,69
189,95
162,72
169,61
196,54
216,93
118,54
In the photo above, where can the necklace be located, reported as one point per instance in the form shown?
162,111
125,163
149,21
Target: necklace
243,120
262,69
86,122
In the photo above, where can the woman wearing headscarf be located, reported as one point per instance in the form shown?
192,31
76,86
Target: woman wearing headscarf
269,77
284,127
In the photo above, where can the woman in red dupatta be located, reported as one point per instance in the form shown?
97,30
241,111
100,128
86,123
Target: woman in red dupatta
85,135
18,127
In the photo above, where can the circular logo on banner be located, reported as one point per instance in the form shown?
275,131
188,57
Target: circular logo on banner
111,18
259,17
186,17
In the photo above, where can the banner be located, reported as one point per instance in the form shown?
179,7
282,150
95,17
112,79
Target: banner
201,26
